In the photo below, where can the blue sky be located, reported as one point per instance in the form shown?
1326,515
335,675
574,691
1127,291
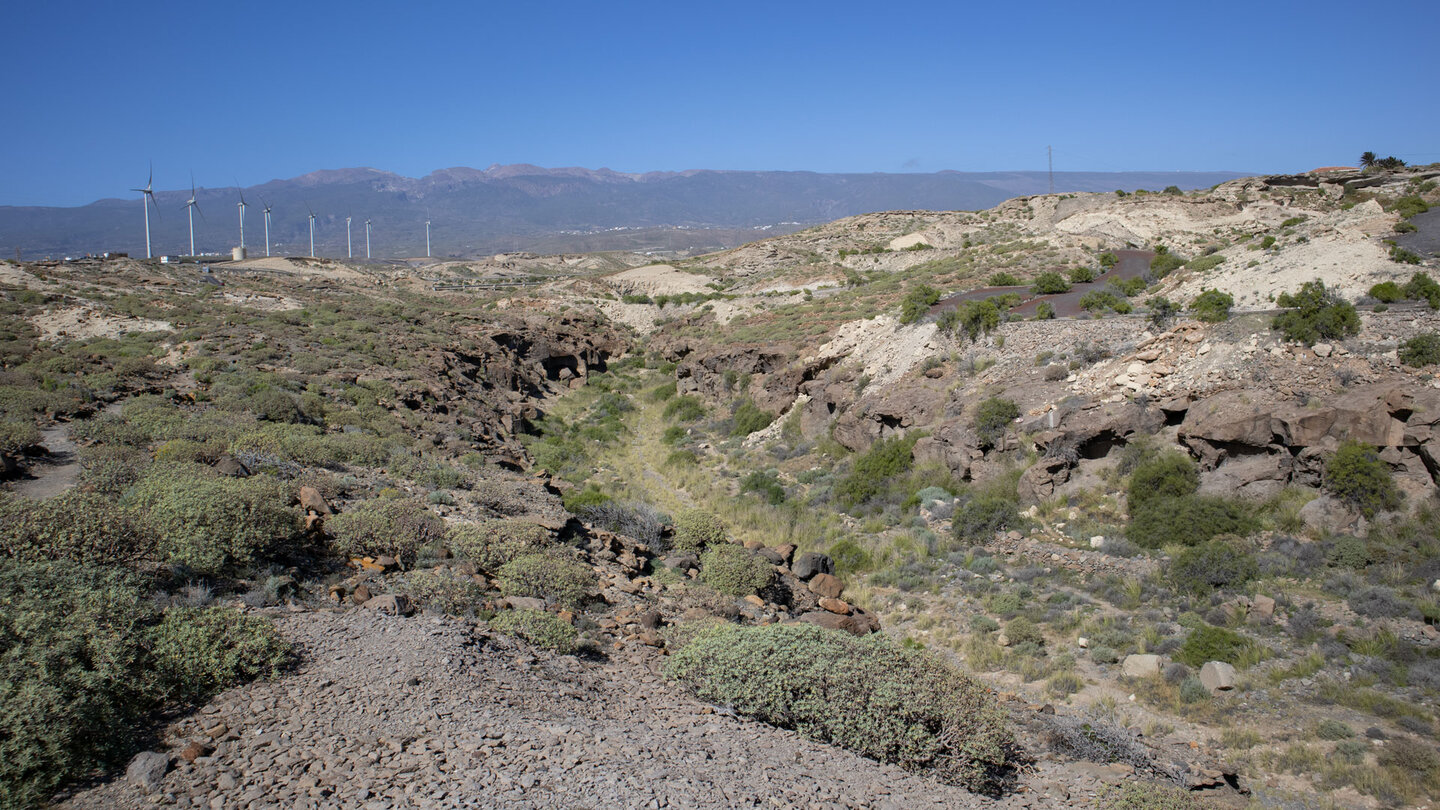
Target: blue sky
261,90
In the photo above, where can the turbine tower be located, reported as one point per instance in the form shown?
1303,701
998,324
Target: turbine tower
266,211
241,206
312,232
191,206
367,238
147,199
427,237
349,254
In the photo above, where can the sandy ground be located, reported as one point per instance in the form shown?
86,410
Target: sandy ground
83,323
886,350
278,264
10,274
659,279
1347,266
264,303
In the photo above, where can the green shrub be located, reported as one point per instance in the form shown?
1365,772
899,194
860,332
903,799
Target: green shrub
871,470
1410,205
685,408
734,569
1421,350
977,519
870,695
1164,263
1315,313
1021,630
379,526
1403,256
1098,301
211,523
200,651
1332,729
1148,796
1212,306
1201,264
917,302
74,681
1108,260
539,628
749,419
766,485
1082,275
446,591
16,435
1357,476
992,419
1209,643
492,543
973,318
78,526
1003,280
1167,475
849,557
1044,311
1421,287
1187,520
577,499
1049,283
1387,291
1161,311
1213,564
695,529
559,580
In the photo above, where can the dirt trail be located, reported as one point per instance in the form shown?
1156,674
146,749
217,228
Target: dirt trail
54,473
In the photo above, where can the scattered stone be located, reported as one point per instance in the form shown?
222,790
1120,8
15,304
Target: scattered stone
1322,349
195,750
312,501
1146,665
826,585
810,564
835,605
390,604
1217,676
361,594
147,770
1262,606
1083,643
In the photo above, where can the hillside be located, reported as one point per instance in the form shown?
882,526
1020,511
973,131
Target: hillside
527,208
1086,499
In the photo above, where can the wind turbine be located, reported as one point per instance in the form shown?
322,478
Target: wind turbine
191,206
349,254
147,199
266,212
367,238
312,231
427,236
241,205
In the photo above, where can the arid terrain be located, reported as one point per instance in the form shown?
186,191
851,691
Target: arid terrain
1086,500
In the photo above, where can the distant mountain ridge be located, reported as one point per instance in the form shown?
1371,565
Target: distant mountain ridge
523,207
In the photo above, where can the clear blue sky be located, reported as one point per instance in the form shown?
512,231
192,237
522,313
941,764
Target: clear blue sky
261,90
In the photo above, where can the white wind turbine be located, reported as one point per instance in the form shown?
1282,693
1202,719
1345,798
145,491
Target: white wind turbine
241,205
427,236
266,211
312,231
367,238
349,254
147,199
191,206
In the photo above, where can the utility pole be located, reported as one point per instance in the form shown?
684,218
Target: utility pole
1050,156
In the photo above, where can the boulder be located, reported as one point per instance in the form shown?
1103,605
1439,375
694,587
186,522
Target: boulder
835,606
229,465
195,750
858,623
681,561
1328,515
810,563
787,552
826,585
147,770
1263,606
361,594
1143,666
1039,480
770,555
1217,676
525,603
390,604
312,501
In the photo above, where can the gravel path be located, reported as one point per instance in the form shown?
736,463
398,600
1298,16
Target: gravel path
55,473
389,712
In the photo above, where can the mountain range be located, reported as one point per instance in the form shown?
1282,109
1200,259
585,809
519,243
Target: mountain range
522,207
